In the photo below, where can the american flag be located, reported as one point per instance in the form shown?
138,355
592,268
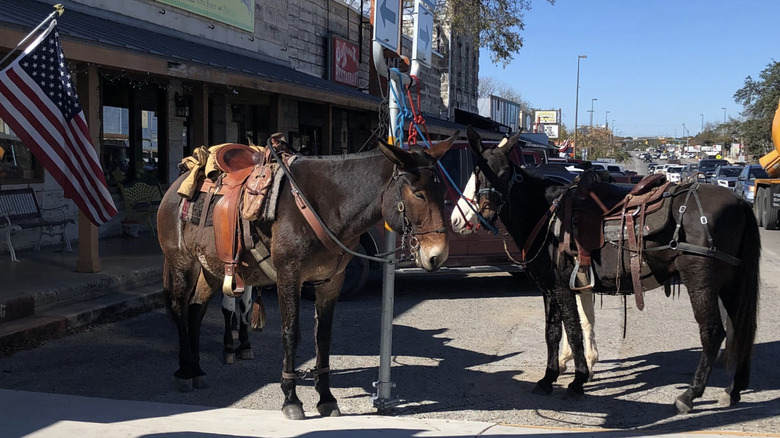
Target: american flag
40,105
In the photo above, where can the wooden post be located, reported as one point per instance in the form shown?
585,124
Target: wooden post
88,87
200,116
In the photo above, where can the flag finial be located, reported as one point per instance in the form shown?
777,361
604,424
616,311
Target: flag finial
59,8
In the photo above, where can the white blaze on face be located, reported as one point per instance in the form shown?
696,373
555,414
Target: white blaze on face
465,208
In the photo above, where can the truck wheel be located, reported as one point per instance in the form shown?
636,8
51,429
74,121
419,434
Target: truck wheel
355,277
770,213
758,205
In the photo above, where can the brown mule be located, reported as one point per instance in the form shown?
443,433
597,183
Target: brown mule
350,193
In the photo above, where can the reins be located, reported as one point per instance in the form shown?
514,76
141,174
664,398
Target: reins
401,208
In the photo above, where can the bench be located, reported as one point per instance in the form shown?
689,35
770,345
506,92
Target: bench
141,202
19,210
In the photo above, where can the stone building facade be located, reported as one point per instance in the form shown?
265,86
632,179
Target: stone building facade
157,81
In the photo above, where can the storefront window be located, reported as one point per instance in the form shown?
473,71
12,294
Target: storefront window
114,148
17,163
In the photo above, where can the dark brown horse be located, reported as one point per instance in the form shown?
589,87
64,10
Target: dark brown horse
350,193
709,242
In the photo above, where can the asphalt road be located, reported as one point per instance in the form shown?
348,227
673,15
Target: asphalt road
466,347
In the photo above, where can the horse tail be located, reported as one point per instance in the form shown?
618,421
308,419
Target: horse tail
746,301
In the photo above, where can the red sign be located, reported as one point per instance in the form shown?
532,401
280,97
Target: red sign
344,61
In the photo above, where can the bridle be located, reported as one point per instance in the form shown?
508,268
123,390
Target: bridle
487,191
409,229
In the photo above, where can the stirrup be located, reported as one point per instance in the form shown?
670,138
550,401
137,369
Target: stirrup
575,274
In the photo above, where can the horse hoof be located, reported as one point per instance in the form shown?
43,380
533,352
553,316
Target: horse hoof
329,409
682,405
542,389
562,368
235,334
247,354
200,382
183,385
590,376
729,398
229,358
293,412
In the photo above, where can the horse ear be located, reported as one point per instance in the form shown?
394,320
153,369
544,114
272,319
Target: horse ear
510,144
398,156
475,141
439,149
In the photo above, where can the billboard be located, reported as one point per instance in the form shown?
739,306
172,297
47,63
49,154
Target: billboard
238,13
545,117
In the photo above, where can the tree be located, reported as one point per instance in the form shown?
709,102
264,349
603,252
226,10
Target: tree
490,86
600,143
494,24
759,99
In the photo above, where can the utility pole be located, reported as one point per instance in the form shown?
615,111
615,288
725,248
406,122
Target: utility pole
577,104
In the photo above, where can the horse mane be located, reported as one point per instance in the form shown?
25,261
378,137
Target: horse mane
344,157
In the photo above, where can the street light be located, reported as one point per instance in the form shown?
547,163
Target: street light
591,110
724,115
702,122
577,103
606,121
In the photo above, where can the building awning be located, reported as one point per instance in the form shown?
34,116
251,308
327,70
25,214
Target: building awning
180,54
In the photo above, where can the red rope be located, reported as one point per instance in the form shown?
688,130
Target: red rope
417,117
419,120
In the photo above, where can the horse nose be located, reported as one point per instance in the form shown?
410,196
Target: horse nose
456,222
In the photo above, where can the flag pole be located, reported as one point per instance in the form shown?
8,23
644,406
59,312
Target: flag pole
58,10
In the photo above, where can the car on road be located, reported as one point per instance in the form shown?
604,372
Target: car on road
674,173
745,187
707,167
726,176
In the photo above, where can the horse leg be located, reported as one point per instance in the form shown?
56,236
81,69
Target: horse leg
587,321
705,310
229,313
289,306
178,285
196,311
552,336
244,349
723,354
324,303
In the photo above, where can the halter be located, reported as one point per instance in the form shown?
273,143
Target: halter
408,227
516,178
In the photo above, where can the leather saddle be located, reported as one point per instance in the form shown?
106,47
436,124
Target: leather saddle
595,205
242,188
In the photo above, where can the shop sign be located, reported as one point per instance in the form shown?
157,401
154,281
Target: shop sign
345,64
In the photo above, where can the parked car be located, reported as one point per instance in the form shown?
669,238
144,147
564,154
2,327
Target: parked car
745,186
481,249
726,176
707,167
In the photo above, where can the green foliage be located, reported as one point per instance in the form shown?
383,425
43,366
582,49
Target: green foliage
759,99
600,143
492,24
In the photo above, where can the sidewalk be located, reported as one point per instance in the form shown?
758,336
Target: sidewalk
42,296
55,415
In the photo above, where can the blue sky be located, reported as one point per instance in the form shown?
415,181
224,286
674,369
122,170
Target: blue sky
653,64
